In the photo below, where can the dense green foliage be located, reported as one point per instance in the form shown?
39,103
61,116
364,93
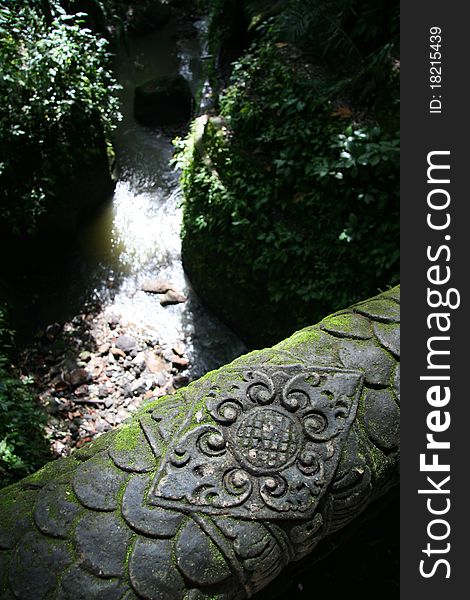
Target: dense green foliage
23,447
57,97
358,39
57,108
291,195
352,28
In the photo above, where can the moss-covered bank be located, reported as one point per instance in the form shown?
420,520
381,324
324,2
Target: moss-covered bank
291,191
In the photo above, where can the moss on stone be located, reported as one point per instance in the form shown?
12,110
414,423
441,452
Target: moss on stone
393,293
97,445
51,471
342,320
309,335
16,508
119,500
129,551
127,437
383,309
310,346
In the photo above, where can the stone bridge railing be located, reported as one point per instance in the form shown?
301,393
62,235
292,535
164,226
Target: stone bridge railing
210,492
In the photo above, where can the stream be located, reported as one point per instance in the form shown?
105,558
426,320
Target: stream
138,233
106,344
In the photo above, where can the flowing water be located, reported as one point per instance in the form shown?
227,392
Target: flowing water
136,234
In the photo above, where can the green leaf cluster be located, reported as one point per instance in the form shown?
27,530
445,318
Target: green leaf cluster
23,445
291,196
57,97
353,29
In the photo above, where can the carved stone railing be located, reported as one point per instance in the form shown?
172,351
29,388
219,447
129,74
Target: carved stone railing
210,492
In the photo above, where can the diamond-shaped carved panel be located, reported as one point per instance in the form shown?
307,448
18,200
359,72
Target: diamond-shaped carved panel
264,447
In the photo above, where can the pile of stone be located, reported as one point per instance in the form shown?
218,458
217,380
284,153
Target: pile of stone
92,373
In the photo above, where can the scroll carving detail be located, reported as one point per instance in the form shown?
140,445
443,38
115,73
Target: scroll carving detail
265,448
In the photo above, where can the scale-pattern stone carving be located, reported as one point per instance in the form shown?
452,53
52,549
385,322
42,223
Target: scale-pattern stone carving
211,492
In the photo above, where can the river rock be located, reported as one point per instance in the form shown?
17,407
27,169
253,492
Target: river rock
163,101
85,355
121,415
179,349
155,362
138,363
172,297
162,379
179,361
82,390
118,353
113,321
78,377
104,348
180,381
138,387
156,286
126,343
103,391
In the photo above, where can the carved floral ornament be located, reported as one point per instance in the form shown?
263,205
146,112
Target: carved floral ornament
265,448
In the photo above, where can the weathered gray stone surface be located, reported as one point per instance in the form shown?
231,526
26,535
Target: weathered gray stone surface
210,492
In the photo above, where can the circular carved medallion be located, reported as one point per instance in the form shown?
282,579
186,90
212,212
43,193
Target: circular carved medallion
266,439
